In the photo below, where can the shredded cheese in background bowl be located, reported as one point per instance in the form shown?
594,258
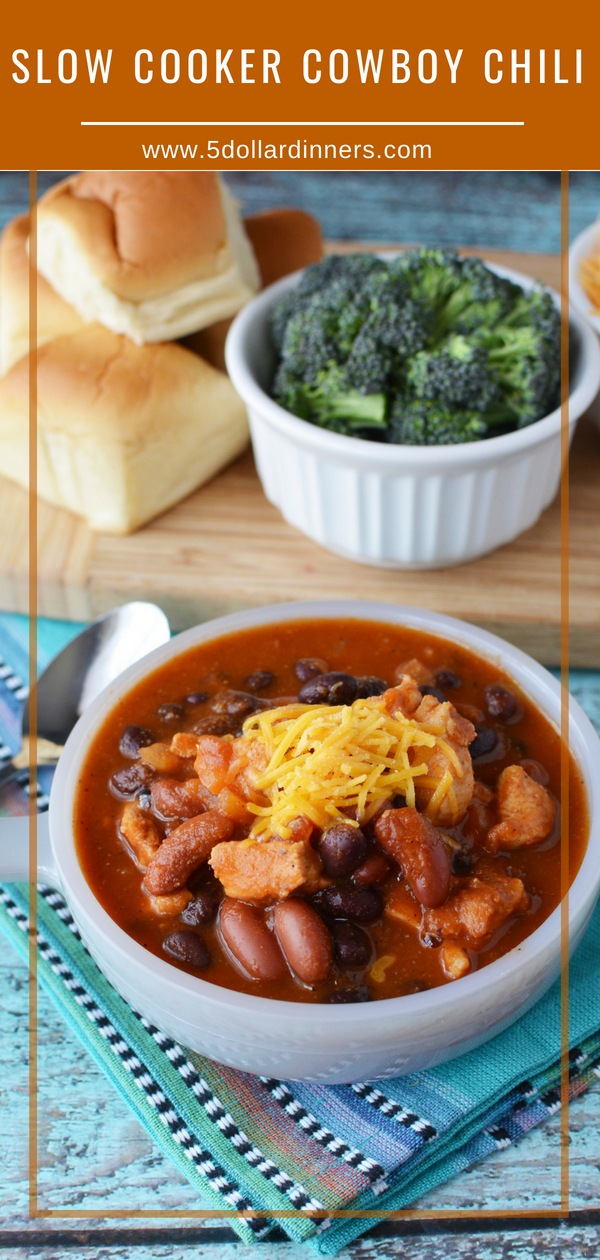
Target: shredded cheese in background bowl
334,763
589,276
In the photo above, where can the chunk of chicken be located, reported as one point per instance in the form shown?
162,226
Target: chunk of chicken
476,908
170,905
140,832
421,674
455,960
257,872
184,850
173,799
233,764
405,697
526,810
444,792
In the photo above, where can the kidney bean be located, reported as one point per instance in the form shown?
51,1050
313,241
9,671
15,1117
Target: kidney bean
417,846
374,870
134,738
333,688
203,906
485,741
184,849
446,680
170,713
187,947
341,850
304,939
249,941
351,945
368,685
259,680
499,702
362,904
216,724
237,703
196,697
127,782
173,799
308,667
340,997
432,691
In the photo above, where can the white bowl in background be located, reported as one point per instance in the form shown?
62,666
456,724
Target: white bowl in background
330,1044
408,507
584,245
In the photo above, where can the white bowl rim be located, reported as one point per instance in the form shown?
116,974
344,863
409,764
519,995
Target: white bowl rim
151,968
579,249
396,455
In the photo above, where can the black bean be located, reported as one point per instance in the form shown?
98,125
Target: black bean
331,688
308,667
499,702
342,849
430,941
344,996
216,724
187,947
368,685
134,738
446,680
485,741
362,904
426,690
127,782
237,703
259,680
461,863
203,908
171,712
196,697
352,946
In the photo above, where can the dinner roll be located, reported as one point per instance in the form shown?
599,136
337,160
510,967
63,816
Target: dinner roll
124,431
54,316
154,255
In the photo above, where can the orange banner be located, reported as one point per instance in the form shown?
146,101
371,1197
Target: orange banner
331,88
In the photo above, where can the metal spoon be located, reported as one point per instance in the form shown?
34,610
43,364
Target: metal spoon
84,667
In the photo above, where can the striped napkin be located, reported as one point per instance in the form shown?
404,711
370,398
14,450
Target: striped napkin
259,1144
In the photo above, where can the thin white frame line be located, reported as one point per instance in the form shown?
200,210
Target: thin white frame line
252,123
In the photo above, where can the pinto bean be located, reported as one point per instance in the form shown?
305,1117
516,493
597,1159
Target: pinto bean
134,738
249,941
259,680
128,782
417,846
186,848
304,939
236,704
173,799
308,667
499,702
171,713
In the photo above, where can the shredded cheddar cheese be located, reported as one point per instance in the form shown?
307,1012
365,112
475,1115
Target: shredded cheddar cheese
589,275
336,763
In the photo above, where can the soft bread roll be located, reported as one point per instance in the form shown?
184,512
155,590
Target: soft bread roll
154,255
283,241
54,316
124,431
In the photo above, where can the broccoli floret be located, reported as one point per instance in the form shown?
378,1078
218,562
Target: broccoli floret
457,373
524,352
332,403
423,423
480,299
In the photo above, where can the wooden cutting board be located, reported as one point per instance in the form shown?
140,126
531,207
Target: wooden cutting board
226,547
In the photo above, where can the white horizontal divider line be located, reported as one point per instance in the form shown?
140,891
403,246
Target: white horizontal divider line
252,123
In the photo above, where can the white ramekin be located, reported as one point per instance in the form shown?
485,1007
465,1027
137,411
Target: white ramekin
411,507
298,1040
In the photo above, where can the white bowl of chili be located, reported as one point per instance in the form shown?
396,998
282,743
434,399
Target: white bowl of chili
412,507
307,1040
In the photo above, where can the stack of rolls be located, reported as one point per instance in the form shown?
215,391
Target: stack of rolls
129,419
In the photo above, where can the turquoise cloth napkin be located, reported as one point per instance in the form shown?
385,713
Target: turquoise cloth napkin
257,1143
